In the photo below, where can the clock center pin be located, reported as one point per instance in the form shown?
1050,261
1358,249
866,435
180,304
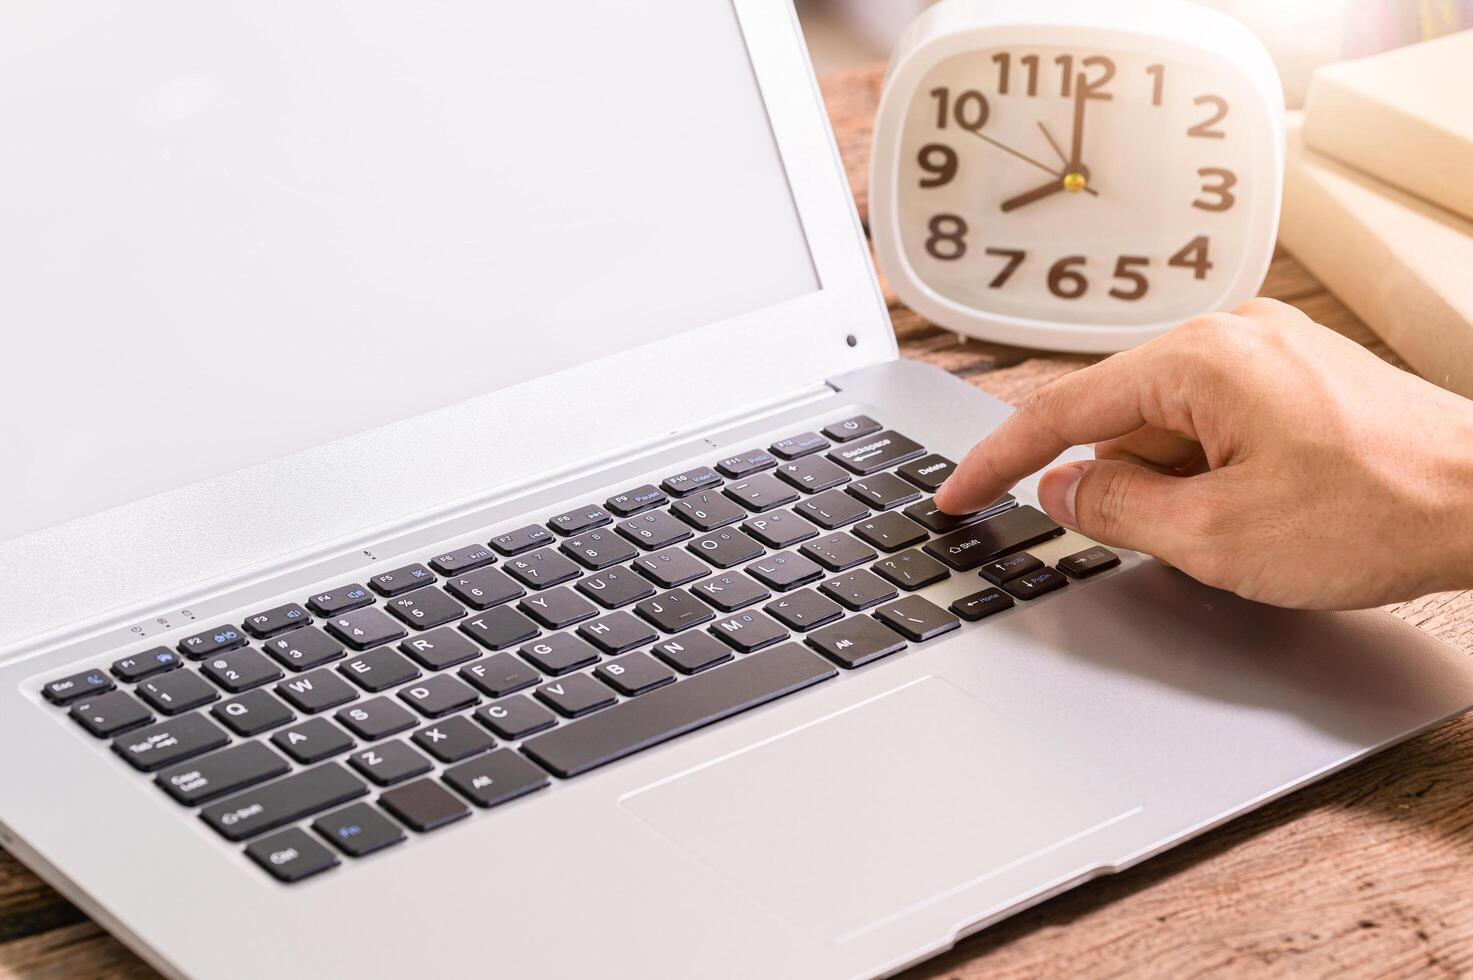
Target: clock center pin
1075,182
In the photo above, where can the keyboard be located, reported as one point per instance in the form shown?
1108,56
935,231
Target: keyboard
342,724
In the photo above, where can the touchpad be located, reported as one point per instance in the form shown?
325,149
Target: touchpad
851,821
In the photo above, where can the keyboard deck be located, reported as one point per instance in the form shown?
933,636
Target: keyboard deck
482,674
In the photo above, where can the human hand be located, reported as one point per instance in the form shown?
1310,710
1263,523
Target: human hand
1258,452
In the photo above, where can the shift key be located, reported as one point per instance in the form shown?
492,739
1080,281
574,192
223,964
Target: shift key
270,806
997,536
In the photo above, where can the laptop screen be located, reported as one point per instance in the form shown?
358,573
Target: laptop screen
234,231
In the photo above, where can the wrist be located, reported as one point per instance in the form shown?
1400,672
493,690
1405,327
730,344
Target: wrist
1452,508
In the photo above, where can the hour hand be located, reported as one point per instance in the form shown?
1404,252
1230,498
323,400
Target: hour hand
1028,197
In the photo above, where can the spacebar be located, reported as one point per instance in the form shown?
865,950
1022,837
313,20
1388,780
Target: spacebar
673,710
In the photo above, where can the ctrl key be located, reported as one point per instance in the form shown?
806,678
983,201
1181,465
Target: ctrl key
291,855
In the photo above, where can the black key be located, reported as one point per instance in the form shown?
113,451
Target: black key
282,802
617,632
780,529
317,691
813,474
176,692
496,778
558,607
683,484
358,830
67,689
999,571
858,589
340,600
379,670
917,618
1035,584
616,587
598,549
522,539
804,610
656,529
425,608
484,588
634,674
389,763
928,472
579,519
556,654
878,452
440,648
851,428
211,641
291,855
169,741
890,531
692,652
706,511
439,695
542,569
462,559
145,664
365,628
836,552
1090,561
674,710
747,463
725,548
400,580
980,543
110,713
453,739
312,741
636,500
575,695
785,570
761,492
227,771
376,718
253,713
800,445
672,612
499,674
832,509
980,605
730,591
855,642
911,570
240,670
671,567
304,649
882,491
933,520
500,628
515,716
424,805
265,625
748,631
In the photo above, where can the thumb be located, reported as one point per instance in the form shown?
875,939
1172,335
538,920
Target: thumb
1118,503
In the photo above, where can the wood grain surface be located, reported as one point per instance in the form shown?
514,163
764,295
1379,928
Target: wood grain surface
1367,873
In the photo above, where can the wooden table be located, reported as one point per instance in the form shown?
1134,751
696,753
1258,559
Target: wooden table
1367,872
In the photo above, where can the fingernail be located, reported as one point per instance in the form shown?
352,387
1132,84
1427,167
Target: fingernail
1057,492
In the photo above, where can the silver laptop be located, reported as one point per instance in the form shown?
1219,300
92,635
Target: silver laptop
463,514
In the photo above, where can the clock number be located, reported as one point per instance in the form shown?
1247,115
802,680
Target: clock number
942,169
1193,255
1123,270
1015,259
1092,88
1204,128
1226,180
1066,70
1030,61
1158,81
1002,59
970,111
948,230
1064,282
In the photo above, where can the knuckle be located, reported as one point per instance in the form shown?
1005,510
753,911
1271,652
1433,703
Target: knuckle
1104,497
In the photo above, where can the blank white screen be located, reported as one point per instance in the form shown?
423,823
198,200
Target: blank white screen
232,231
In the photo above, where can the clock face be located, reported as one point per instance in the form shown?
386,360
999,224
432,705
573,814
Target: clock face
1077,185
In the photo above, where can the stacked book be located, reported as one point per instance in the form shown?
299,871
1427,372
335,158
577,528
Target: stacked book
1378,198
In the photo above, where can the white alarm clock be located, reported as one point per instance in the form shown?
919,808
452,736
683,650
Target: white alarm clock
1076,174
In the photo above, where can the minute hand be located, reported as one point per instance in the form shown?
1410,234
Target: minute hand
1076,152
